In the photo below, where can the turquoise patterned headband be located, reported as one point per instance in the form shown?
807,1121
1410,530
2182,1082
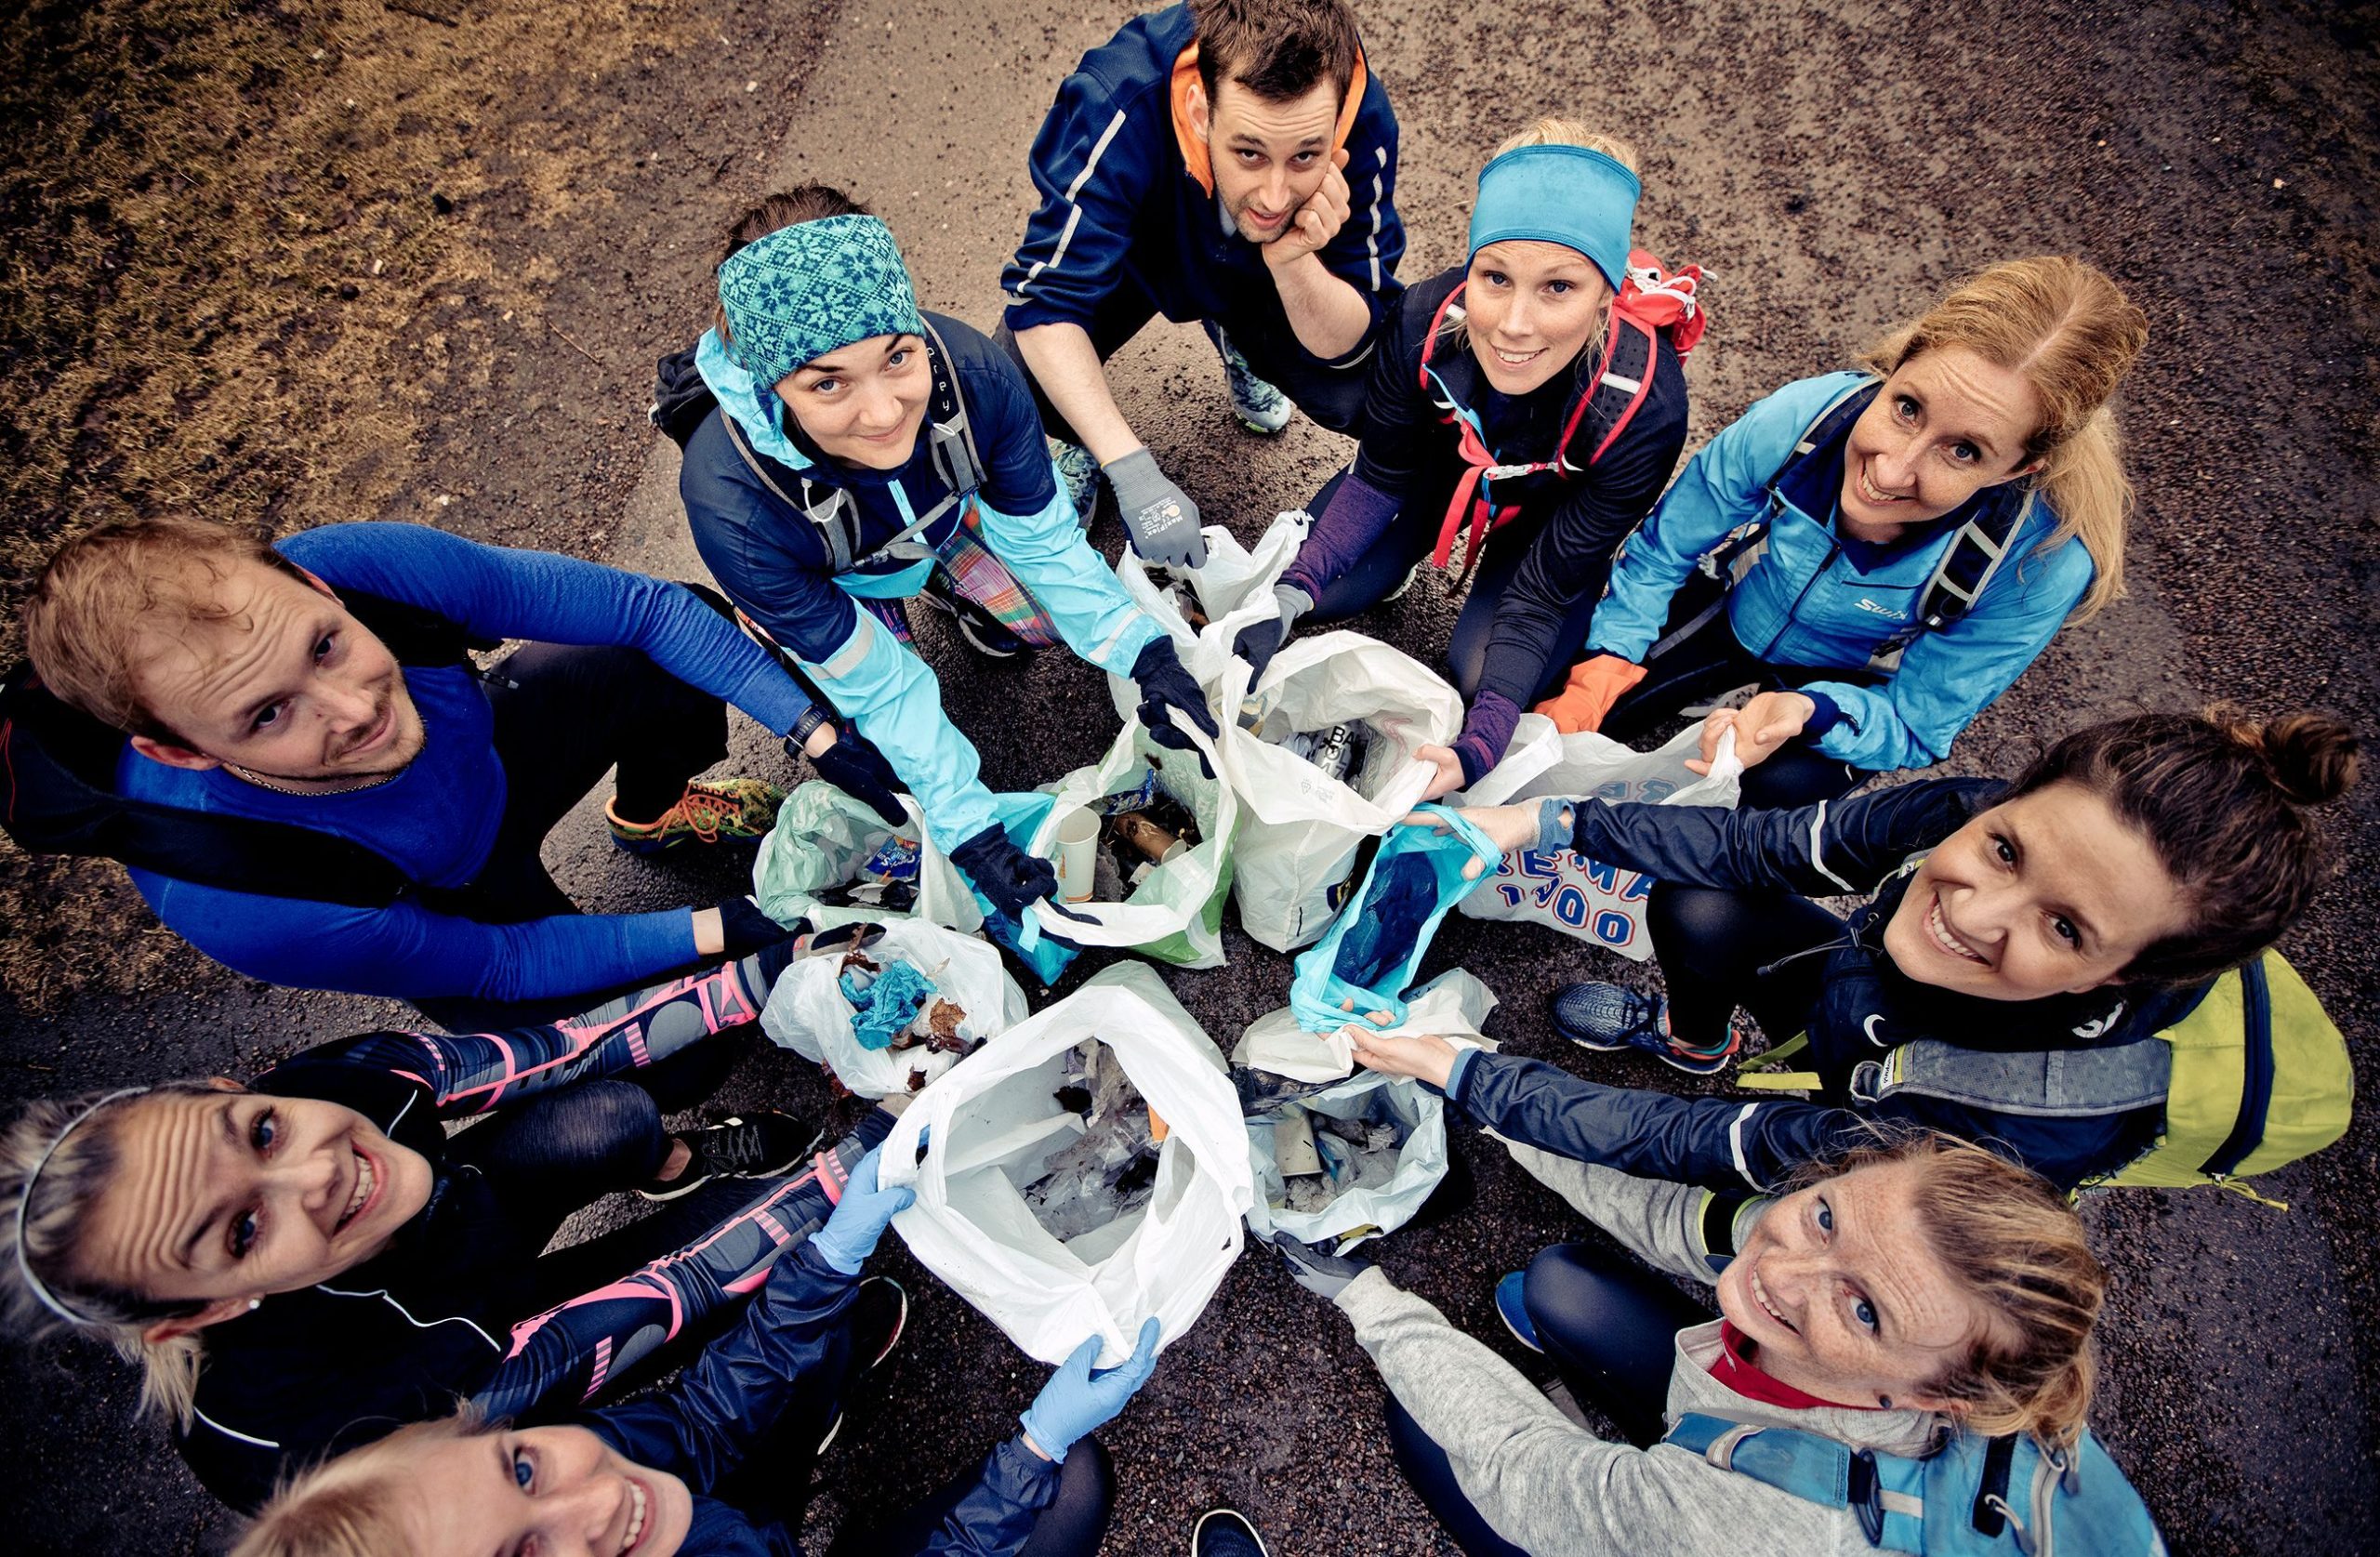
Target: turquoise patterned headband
804,290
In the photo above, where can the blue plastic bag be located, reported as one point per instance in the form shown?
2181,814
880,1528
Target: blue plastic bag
1369,953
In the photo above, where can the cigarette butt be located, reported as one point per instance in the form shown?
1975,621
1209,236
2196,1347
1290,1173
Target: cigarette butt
1159,1128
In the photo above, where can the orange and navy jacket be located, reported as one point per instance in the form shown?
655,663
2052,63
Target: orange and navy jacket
1127,198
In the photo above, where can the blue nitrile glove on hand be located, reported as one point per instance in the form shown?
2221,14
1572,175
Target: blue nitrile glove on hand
854,766
1556,825
1164,684
1076,1400
1164,524
860,1217
1014,880
1324,1275
1259,641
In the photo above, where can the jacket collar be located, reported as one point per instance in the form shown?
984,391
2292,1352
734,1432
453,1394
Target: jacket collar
1194,146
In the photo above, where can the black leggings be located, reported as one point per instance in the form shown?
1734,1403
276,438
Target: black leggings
1408,542
1721,949
1609,1327
1073,1525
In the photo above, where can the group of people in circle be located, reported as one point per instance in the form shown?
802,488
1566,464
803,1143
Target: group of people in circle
314,774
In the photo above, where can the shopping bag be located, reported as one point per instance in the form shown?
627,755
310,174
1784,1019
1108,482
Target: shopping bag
1380,1163
1301,827
1453,1006
1175,915
1234,592
1370,954
995,1120
822,839
809,1012
1596,903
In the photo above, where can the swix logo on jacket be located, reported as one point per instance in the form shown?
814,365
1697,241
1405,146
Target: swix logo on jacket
1128,200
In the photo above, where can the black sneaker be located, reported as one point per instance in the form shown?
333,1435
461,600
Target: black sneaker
979,629
767,1145
879,1315
1222,1533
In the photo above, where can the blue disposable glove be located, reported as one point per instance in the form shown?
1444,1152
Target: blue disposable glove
1076,1400
860,1218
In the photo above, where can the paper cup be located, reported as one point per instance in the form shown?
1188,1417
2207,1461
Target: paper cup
1077,853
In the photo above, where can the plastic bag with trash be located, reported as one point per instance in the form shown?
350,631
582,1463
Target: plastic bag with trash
1001,1132
1348,1163
893,1016
1204,610
1366,959
1276,1060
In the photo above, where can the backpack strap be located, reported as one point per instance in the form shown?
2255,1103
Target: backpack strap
835,516
952,442
2042,1083
2255,1083
1967,566
1884,1492
1741,549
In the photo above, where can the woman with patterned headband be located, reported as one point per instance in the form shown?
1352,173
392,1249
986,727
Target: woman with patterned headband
846,452
1532,395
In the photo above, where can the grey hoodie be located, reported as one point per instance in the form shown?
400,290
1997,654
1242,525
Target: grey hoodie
1551,1487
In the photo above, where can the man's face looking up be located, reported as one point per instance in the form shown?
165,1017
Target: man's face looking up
1268,157
283,682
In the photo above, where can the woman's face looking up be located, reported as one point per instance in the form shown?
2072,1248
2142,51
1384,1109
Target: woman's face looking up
544,1492
1945,424
863,404
1530,308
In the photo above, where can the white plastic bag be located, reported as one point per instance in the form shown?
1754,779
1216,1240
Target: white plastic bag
1453,1006
1301,827
994,1120
1234,590
1363,1211
822,838
1596,903
808,1013
1176,913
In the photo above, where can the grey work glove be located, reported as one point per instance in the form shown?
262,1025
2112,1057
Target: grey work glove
1259,641
1164,524
1324,1275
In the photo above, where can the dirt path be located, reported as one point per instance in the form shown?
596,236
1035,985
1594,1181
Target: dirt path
1832,166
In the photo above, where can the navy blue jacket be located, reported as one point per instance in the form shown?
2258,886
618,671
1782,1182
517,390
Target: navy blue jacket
1122,206
438,819
1866,1007
701,1427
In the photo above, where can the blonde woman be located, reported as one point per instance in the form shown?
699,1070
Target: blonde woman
1899,1308
1891,547
1530,396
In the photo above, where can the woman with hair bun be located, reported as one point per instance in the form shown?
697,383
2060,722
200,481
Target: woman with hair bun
2007,929
1882,551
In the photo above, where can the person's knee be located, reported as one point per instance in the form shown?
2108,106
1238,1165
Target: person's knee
1687,921
608,1116
1075,1523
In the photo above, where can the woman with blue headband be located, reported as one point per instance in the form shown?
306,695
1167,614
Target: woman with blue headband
1879,552
1532,395
846,452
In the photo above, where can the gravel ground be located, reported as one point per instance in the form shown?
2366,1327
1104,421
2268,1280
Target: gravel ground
1831,167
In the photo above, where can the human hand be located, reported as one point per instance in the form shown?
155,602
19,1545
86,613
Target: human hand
1541,825
1761,726
1014,880
1259,641
1449,770
1165,685
1317,221
1595,683
850,762
1161,521
1424,1057
1076,1402
1324,1275
861,1216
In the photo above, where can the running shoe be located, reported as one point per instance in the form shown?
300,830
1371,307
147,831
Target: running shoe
880,1316
711,809
1079,471
1260,406
1606,1017
1513,1313
977,627
1223,1533
1398,593
767,1145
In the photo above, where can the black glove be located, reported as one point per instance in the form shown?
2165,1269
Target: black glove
1014,880
1164,684
1324,1275
743,929
1259,641
854,766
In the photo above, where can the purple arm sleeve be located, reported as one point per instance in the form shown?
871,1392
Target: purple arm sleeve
1342,532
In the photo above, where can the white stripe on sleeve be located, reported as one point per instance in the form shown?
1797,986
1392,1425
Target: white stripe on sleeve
1074,214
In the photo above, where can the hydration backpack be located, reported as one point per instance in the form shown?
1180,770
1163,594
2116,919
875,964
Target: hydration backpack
1975,1496
59,795
1651,300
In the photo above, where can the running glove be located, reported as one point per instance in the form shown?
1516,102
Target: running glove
1324,1275
854,766
860,1217
1595,684
1163,522
1076,1400
1164,684
1014,880
1258,642
743,929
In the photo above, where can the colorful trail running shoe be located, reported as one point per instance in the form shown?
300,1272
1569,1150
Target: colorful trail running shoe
1513,1313
709,810
1608,1017
1260,406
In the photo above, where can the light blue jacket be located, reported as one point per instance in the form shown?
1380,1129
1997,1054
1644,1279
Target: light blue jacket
1805,604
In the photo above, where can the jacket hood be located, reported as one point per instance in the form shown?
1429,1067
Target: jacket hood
1194,146
757,412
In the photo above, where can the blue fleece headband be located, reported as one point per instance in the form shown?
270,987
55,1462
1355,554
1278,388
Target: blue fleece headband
801,292
1558,194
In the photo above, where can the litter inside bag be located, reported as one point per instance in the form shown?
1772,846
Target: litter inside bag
1358,1152
1109,1173
886,879
1353,752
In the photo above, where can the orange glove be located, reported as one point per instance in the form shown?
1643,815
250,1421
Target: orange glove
1595,685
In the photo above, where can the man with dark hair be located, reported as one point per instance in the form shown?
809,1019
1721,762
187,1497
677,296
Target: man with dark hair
1225,161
